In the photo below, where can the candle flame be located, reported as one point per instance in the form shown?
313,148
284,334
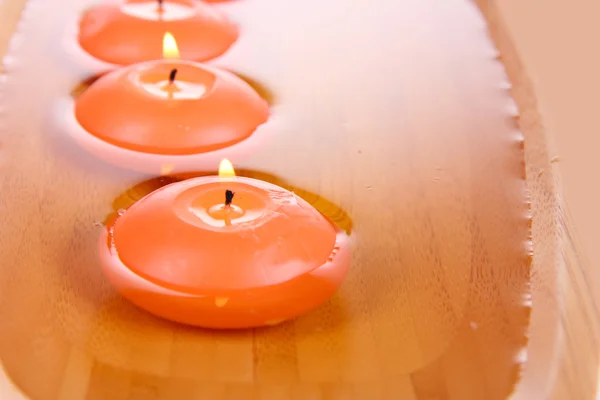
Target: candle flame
226,169
170,49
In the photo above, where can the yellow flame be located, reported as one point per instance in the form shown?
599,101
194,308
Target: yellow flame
170,49
226,169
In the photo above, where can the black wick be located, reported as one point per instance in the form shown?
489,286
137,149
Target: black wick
160,4
228,197
172,75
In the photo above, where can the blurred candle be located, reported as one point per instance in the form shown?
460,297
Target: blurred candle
130,32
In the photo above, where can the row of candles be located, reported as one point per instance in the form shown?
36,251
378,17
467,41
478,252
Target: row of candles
215,251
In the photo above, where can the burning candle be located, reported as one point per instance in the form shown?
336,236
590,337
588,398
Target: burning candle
167,115
224,252
129,32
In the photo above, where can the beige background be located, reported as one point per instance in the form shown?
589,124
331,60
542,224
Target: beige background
561,55
556,42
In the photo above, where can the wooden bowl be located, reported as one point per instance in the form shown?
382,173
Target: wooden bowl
400,115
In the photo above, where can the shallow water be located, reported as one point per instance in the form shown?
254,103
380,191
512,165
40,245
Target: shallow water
394,121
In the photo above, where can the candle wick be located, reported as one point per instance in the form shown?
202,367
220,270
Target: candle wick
172,75
228,197
160,5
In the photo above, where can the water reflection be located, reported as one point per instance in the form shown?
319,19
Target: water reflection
260,88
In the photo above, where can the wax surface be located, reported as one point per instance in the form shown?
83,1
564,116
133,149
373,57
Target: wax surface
129,32
204,109
170,238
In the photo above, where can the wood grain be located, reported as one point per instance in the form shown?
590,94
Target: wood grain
389,123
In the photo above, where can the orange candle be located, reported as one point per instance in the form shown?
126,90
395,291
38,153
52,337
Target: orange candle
130,31
224,252
167,114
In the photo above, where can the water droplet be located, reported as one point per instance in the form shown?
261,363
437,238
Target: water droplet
512,108
494,53
521,357
121,211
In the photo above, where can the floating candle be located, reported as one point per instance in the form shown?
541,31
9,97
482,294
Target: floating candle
128,32
168,108
224,252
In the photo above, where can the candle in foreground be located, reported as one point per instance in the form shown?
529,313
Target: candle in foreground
224,252
167,107
130,31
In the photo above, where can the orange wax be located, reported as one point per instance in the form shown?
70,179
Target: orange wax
182,254
203,109
131,31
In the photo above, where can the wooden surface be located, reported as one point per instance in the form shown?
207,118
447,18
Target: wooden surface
408,133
